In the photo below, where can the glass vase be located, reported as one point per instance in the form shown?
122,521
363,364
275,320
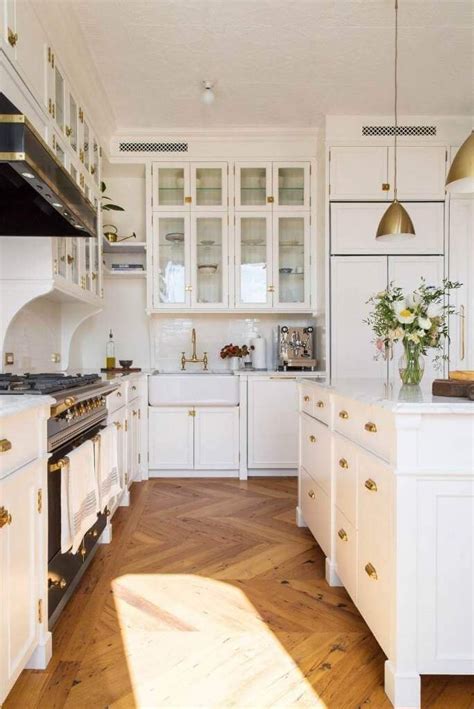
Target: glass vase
411,364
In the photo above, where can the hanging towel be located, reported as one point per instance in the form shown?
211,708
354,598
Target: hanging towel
106,466
79,496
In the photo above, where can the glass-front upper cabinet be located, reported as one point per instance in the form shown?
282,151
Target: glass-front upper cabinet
60,261
291,186
95,161
209,261
72,127
171,186
171,253
253,260
253,186
86,136
59,106
291,262
209,186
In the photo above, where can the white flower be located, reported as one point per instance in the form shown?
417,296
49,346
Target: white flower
434,310
399,305
413,337
413,299
424,323
405,316
395,334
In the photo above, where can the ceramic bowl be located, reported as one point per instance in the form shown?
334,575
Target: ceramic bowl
126,363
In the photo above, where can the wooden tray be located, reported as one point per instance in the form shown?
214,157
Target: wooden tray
453,387
121,370
462,375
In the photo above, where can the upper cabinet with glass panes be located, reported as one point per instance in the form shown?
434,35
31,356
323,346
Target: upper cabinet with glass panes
189,186
270,185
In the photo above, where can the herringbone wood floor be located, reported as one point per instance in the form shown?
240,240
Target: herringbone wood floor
210,596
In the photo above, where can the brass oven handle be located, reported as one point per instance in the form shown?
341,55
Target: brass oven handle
58,465
342,534
371,485
371,571
5,445
343,415
311,494
63,405
343,463
5,517
370,427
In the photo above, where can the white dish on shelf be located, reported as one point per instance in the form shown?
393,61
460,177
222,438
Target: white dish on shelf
206,242
175,236
257,242
209,269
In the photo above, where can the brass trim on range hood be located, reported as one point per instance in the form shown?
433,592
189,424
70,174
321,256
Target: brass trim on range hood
40,197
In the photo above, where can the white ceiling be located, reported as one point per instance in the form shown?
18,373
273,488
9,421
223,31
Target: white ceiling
280,63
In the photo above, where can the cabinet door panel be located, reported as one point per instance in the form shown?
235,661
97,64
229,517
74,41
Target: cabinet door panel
358,173
216,438
171,260
119,419
291,188
209,186
272,423
253,260
209,261
461,268
291,278
171,186
353,280
170,438
353,229
253,186
421,172
30,49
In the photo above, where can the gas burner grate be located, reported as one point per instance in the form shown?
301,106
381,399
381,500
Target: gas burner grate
44,383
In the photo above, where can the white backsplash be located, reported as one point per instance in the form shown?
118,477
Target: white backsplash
34,336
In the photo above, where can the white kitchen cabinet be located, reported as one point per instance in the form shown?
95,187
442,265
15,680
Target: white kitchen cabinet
190,186
354,226
216,438
291,186
171,438
291,260
171,260
461,268
253,186
20,589
209,260
363,173
272,423
266,186
171,186
209,186
253,260
353,280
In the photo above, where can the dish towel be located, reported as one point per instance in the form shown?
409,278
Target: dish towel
79,497
106,466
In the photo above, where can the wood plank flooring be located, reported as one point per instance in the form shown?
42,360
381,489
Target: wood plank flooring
210,596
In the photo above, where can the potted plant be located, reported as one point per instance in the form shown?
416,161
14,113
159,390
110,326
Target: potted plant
234,354
418,319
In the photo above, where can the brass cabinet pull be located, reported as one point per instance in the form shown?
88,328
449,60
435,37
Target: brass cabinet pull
70,259
371,485
312,439
370,427
385,186
191,412
12,37
343,463
371,571
188,200
134,388
271,289
343,415
134,412
59,582
68,131
92,170
320,404
81,156
270,200
342,534
5,517
117,425
5,445
93,275
311,494
306,398
119,394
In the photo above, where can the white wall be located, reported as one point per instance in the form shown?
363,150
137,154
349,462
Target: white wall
33,336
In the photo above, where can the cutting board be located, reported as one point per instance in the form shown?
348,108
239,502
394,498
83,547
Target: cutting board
454,387
462,375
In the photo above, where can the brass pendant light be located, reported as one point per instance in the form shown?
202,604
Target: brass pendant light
460,178
396,221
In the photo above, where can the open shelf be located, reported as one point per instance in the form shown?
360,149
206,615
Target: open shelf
123,274
129,246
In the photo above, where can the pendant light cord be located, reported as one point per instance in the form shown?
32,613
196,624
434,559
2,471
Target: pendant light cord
396,102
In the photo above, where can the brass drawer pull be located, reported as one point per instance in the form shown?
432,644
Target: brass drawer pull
5,445
371,485
342,534
312,439
370,571
343,415
119,394
320,404
311,494
12,37
370,427
343,463
5,517
306,398
385,186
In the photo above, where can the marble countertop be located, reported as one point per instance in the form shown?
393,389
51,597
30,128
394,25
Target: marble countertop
278,373
11,404
396,397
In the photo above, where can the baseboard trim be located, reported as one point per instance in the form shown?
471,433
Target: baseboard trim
222,474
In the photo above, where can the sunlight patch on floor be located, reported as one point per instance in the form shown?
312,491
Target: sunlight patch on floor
191,641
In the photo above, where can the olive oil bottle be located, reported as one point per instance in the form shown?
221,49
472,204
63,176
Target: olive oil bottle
110,352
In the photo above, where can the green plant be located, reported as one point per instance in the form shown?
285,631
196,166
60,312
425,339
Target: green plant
109,206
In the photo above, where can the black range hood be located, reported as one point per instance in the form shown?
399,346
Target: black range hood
38,197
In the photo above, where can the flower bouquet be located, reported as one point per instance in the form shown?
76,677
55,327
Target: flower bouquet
418,319
234,353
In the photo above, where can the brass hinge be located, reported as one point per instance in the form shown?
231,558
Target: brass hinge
139,413
139,458
329,156
126,478
39,500
126,425
81,115
40,610
446,156
49,55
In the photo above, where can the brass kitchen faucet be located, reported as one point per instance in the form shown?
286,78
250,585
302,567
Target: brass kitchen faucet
194,358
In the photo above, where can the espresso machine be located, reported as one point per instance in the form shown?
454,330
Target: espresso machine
295,348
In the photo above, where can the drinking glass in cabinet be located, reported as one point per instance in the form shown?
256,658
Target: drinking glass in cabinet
86,146
209,248
59,96
171,260
171,184
72,129
253,186
208,186
291,186
253,260
291,259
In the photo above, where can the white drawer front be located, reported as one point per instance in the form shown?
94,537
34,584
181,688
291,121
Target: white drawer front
371,426
374,496
315,402
315,505
307,399
375,592
346,553
132,390
347,416
19,440
345,474
316,451
117,398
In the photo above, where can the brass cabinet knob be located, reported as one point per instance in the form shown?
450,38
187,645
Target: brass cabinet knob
58,582
343,463
342,534
371,485
270,200
191,412
371,571
134,388
5,445
5,517
311,494
343,415
68,131
12,37
320,404
188,200
385,186
117,425
119,394
70,259
370,427
306,398
312,439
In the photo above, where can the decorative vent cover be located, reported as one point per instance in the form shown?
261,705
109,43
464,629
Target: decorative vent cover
402,130
153,147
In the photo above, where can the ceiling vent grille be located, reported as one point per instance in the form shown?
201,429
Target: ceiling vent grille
402,130
153,147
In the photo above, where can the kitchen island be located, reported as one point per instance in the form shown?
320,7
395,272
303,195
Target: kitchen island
386,486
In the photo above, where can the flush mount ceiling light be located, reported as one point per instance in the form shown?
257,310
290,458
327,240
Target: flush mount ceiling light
208,96
396,221
460,178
